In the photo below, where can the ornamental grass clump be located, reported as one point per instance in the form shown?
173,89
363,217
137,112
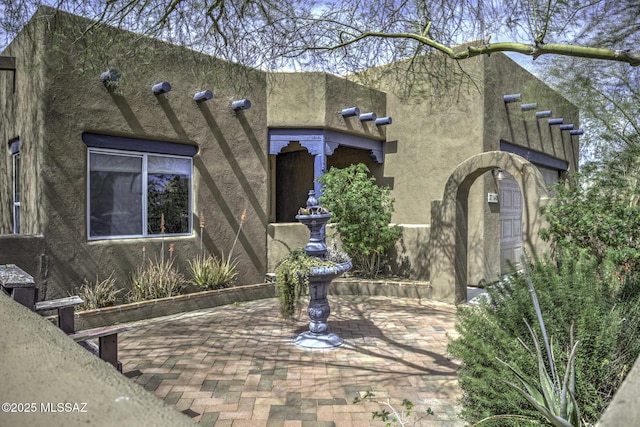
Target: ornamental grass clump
210,272
156,279
98,294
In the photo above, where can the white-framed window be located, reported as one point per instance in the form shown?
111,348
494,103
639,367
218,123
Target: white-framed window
14,149
138,194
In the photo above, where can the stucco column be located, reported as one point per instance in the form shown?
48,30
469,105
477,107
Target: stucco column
442,251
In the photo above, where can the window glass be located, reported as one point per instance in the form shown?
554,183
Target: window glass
115,195
168,184
138,194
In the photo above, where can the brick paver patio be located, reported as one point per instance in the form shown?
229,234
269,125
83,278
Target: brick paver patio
237,365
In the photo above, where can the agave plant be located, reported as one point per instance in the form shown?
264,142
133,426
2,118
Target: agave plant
556,402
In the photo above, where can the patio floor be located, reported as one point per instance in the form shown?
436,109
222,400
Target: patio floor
237,365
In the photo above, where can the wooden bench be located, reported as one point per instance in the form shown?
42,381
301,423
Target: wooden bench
107,348
19,285
66,311
107,342
22,289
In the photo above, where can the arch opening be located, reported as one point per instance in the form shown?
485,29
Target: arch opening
450,216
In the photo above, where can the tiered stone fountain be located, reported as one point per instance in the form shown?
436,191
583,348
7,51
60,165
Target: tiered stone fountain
315,218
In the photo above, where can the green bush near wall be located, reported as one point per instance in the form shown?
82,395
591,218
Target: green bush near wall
362,212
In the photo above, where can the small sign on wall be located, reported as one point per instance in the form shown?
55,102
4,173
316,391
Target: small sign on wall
492,197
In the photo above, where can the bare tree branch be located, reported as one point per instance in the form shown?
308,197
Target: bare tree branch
535,51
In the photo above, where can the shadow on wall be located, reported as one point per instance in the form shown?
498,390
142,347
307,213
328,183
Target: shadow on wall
233,163
231,217
70,259
255,144
27,252
171,116
127,112
409,258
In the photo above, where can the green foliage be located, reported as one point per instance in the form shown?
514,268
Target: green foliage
362,211
292,280
157,279
212,273
557,404
572,291
98,294
600,211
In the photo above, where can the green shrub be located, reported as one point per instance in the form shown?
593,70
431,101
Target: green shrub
574,291
212,272
98,294
157,279
362,211
600,211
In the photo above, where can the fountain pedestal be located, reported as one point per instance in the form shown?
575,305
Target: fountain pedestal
319,335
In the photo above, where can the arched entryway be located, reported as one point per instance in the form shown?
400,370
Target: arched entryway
449,219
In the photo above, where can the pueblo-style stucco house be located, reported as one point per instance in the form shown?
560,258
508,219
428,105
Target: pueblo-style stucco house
105,133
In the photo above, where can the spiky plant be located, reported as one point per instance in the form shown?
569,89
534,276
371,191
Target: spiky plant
212,272
156,279
98,294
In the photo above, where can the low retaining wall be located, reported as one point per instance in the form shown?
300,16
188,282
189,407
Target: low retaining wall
386,288
201,300
409,257
167,306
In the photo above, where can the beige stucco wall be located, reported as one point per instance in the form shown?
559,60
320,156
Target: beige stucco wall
451,114
507,122
21,117
316,100
437,127
230,169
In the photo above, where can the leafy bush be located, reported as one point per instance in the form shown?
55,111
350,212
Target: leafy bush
98,294
576,291
362,211
157,279
600,211
212,272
